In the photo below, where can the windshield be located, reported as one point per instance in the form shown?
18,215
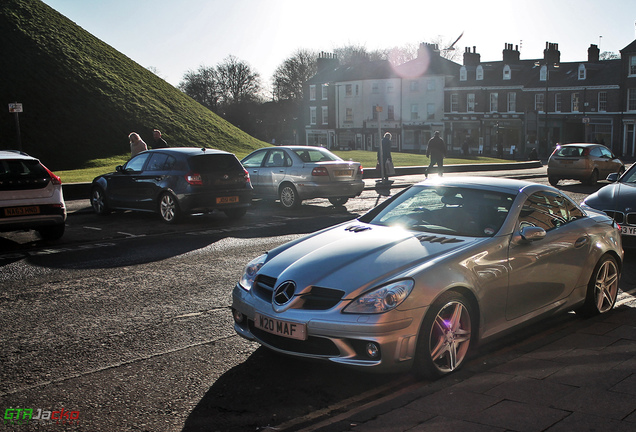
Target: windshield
630,175
447,210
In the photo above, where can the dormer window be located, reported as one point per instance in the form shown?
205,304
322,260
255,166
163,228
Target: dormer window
479,72
543,74
463,75
506,72
582,72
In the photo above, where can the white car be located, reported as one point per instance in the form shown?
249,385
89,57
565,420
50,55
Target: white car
30,196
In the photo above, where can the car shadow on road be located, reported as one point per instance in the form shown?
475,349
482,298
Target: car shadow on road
269,389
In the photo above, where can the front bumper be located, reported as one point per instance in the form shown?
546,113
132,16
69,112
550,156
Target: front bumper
334,336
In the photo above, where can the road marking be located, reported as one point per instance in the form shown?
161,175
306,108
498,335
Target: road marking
92,228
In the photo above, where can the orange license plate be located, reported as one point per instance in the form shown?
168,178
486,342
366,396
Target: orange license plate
22,211
227,200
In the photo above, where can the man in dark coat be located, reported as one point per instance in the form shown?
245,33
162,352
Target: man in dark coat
157,141
436,150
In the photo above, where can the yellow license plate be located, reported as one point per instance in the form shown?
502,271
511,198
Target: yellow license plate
342,173
22,211
227,200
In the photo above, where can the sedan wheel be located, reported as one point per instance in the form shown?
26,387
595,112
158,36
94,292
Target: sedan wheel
602,288
338,201
289,197
593,178
445,336
168,208
553,181
98,201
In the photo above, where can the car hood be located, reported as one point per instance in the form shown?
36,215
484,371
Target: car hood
354,256
616,196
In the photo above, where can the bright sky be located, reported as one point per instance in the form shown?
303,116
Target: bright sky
174,36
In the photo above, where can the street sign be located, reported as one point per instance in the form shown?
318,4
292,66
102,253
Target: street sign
586,119
15,107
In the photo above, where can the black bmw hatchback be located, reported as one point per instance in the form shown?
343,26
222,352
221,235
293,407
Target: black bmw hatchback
174,182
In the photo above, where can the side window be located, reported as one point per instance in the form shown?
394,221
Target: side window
275,158
254,160
596,152
548,211
157,162
137,163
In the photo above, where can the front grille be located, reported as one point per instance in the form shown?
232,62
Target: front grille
264,287
319,299
631,218
313,345
619,217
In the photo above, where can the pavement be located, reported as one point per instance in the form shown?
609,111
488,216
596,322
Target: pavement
580,377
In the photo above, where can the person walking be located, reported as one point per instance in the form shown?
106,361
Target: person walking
137,145
436,150
157,140
384,157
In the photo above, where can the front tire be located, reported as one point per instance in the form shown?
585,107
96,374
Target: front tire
602,288
169,208
553,181
289,197
445,336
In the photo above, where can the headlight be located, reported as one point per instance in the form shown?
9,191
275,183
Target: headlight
249,273
382,299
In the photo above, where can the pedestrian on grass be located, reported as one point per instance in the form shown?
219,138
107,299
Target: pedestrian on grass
137,145
157,140
436,150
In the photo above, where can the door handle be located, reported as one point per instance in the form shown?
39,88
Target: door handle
581,242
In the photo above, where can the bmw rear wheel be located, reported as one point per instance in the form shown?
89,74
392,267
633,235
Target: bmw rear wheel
98,201
602,288
169,208
445,336
289,197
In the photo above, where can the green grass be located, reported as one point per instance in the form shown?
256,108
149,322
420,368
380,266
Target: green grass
100,166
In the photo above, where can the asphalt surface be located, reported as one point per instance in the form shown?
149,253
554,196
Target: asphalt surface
581,376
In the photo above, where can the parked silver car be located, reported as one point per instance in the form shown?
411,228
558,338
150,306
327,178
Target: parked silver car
418,280
295,173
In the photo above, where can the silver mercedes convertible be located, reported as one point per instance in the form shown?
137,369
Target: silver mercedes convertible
432,271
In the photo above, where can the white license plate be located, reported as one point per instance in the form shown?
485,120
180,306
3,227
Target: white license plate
628,230
343,173
281,328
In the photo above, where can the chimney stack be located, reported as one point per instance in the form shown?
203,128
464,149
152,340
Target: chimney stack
511,55
593,54
551,53
471,58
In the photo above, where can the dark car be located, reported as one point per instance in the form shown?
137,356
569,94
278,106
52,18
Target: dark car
618,200
175,181
584,162
30,196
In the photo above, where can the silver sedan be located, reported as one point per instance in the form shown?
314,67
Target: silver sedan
420,279
296,173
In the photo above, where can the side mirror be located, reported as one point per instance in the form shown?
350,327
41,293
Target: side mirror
532,233
119,168
612,178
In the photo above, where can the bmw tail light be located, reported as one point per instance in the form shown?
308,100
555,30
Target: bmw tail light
320,172
54,179
247,177
194,178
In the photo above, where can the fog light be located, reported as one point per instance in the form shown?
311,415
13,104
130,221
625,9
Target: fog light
238,316
373,351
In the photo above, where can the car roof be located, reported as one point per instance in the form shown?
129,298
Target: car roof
15,154
581,145
189,151
499,184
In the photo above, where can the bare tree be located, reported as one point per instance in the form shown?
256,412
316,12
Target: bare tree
237,82
608,55
202,86
289,77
